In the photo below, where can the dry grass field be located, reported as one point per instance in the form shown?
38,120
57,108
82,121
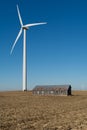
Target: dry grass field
23,111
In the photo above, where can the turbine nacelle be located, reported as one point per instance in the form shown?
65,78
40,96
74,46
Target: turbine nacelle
25,27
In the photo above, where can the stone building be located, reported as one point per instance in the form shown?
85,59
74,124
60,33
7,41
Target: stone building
52,90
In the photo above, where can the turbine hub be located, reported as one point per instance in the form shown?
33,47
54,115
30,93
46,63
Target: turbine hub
25,27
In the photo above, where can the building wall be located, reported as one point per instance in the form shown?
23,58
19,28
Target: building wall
51,92
69,91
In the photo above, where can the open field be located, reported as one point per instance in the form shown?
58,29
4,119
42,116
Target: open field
23,111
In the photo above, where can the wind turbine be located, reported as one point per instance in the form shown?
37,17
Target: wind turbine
24,28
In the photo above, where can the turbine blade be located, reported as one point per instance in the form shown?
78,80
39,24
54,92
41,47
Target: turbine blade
20,19
16,40
34,24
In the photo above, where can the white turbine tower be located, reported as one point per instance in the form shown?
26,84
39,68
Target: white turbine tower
24,28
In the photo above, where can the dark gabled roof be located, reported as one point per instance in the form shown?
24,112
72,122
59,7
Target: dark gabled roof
51,87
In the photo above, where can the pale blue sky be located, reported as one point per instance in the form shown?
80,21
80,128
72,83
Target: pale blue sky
56,52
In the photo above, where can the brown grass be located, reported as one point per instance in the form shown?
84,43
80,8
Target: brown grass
23,111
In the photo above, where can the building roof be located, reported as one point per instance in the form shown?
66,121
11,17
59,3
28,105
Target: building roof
51,87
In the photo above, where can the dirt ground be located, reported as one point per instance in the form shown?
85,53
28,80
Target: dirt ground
24,111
